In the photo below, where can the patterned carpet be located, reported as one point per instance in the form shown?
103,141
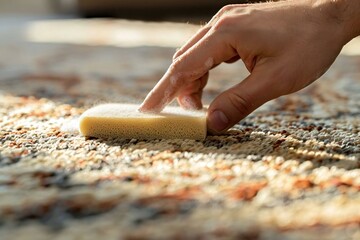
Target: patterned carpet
291,170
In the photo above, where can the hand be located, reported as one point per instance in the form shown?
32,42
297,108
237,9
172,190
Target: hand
285,46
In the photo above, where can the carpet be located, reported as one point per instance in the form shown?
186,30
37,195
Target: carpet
290,170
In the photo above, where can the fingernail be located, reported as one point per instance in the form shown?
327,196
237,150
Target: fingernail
141,108
218,121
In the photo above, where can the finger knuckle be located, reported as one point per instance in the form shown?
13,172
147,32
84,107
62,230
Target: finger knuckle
176,55
246,10
175,74
226,9
223,11
225,23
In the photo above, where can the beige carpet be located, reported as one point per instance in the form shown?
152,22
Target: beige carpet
288,171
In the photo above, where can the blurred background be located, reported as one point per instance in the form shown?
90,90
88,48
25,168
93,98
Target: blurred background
122,40
84,21
93,22
117,49
120,23
137,9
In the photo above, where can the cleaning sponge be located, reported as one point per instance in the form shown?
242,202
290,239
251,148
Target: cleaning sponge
125,121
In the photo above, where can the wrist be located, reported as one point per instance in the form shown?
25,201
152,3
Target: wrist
345,14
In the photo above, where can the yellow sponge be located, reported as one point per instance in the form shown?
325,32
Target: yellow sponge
125,121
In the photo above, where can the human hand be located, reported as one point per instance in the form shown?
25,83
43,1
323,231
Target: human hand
285,46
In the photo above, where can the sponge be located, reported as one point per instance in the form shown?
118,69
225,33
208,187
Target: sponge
125,121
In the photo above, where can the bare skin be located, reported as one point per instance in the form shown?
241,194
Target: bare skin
285,46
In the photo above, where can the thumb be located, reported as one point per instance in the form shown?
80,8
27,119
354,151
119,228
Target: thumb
239,101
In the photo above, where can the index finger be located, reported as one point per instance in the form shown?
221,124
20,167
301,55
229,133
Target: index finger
212,49
162,94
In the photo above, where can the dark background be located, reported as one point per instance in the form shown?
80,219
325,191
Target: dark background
141,9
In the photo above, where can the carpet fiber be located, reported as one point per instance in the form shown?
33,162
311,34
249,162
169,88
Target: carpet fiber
291,170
